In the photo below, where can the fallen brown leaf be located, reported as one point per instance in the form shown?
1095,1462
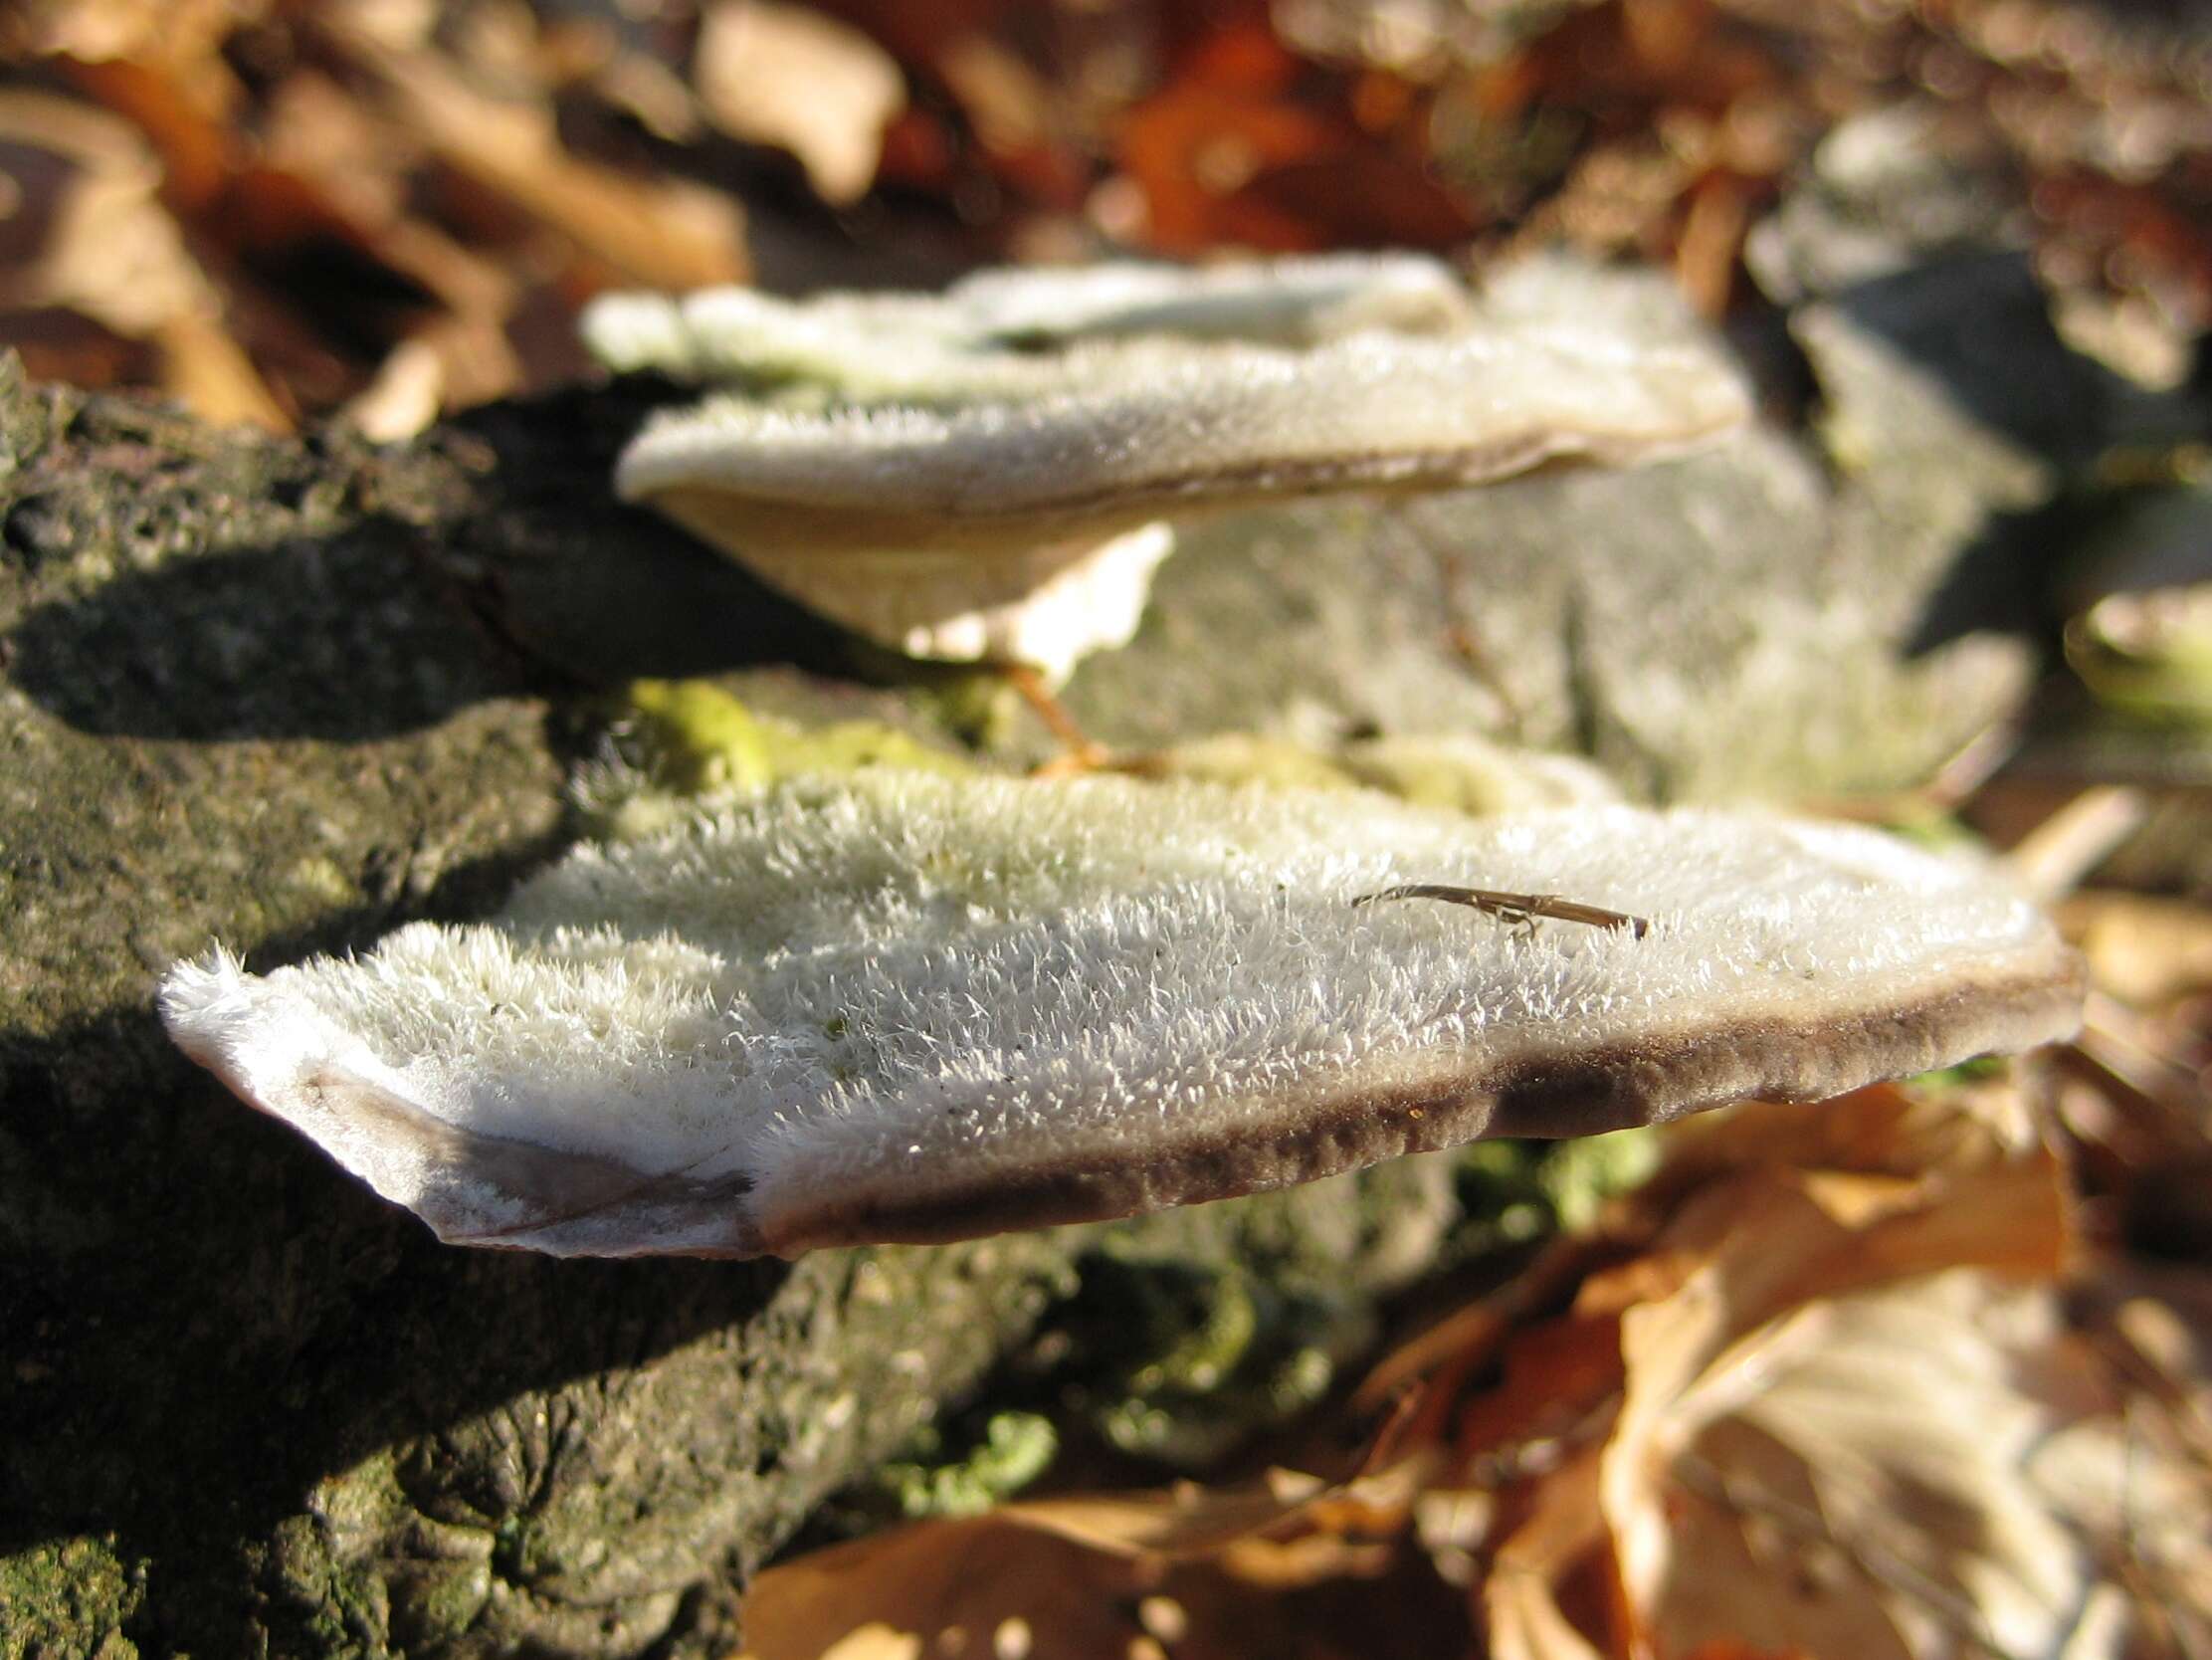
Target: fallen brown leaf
1083,1576
179,42
1561,1540
1817,1393
782,75
2142,948
110,249
661,232
1818,1438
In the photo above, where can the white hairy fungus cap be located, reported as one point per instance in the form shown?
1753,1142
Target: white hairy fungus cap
915,1008
881,348
966,494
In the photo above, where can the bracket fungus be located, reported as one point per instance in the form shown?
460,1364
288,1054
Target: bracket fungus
905,1007
991,472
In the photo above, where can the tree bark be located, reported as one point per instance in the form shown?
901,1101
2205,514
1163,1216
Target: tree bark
289,696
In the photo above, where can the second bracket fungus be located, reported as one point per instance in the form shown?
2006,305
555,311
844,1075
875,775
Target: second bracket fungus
990,473
905,1007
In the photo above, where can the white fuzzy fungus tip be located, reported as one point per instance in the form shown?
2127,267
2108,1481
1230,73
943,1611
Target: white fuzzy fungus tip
923,345
906,1007
1115,433
951,455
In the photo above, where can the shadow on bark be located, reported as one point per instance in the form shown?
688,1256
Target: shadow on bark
542,585
216,1316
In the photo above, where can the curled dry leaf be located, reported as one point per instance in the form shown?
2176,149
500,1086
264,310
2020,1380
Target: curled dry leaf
1837,1385
665,231
1195,1569
789,76
111,252
957,475
180,42
1815,1391
2142,948
909,1007
354,172
1819,1411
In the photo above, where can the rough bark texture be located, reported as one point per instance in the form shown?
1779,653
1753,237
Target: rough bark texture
291,694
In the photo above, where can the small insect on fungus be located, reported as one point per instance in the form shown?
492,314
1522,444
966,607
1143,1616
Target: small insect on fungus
1516,911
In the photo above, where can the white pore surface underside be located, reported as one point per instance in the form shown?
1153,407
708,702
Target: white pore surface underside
959,474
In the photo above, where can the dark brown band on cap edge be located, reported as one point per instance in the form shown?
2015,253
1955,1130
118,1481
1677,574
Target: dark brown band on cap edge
1543,1097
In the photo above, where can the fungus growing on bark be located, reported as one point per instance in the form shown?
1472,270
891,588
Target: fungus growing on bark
990,474
905,1007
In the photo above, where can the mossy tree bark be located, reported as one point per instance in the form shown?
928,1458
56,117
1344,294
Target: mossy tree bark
291,695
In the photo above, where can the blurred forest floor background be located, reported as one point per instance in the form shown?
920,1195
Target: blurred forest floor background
1927,1373
385,208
